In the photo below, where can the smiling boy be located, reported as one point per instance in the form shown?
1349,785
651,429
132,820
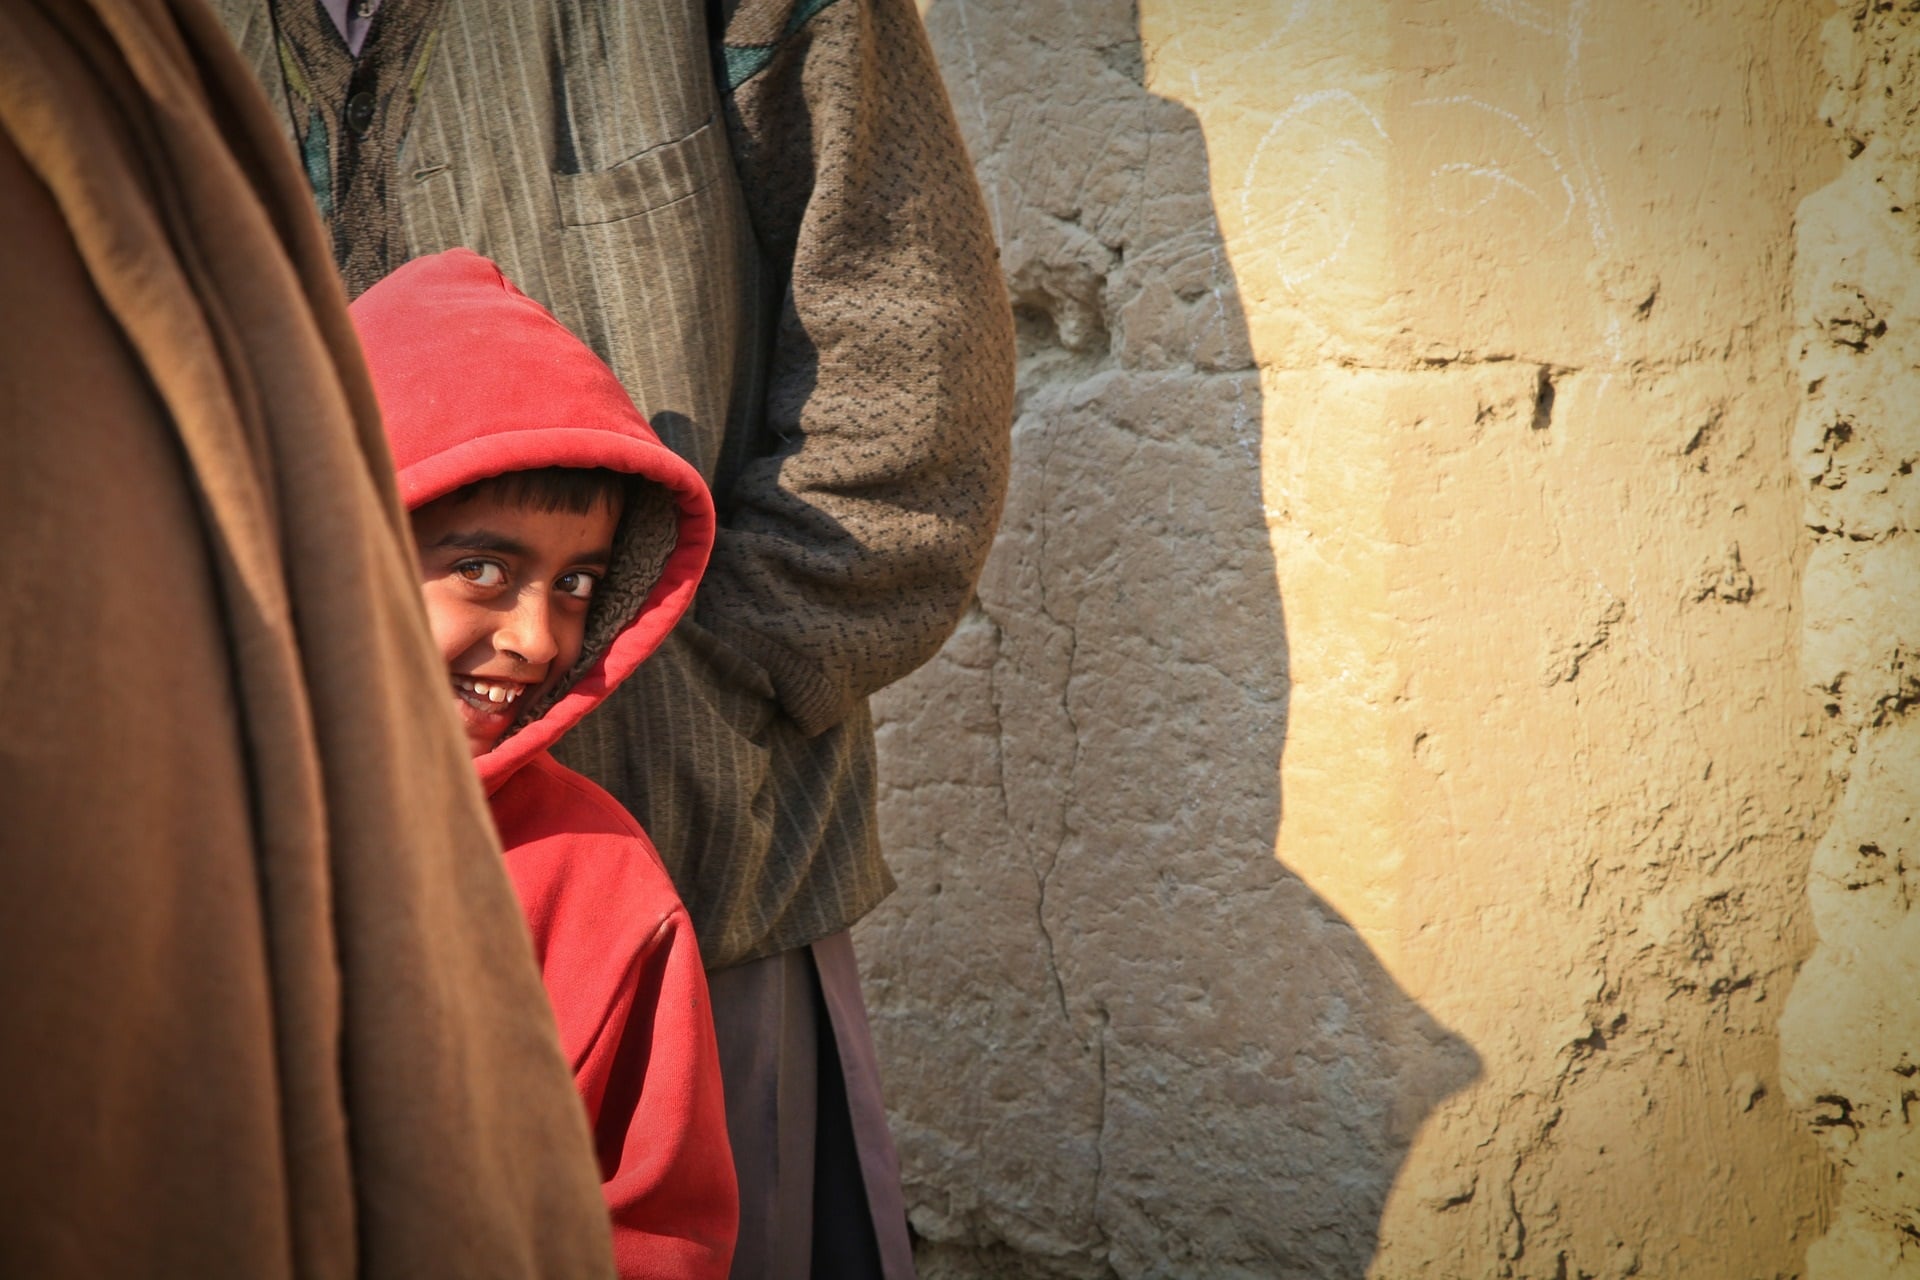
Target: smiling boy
559,541
508,566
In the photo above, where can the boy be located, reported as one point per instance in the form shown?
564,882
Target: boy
559,541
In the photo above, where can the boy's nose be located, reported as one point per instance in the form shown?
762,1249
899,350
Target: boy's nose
527,631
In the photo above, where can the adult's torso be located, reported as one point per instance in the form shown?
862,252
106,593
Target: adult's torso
580,144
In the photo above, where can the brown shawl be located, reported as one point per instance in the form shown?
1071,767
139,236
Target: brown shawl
267,1007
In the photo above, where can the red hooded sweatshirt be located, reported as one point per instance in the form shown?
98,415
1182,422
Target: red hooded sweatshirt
476,379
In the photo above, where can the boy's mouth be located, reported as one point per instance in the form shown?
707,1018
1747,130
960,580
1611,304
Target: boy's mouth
488,697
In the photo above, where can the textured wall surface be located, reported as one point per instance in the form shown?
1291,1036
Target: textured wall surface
1364,826
1850,1044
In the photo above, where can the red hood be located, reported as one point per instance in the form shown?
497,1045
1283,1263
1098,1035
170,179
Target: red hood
475,379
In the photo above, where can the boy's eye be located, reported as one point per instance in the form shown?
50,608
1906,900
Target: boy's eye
481,573
579,584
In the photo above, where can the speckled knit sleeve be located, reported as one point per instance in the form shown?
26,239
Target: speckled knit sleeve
851,545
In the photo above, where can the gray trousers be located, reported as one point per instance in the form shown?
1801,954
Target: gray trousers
819,1181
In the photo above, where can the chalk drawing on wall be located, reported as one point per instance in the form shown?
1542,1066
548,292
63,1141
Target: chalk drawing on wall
1509,159
1521,14
1337,143
1334,163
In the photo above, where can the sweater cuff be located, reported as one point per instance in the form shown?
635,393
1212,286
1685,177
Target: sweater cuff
810,700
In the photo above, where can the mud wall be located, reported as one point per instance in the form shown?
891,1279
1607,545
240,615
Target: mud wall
1850,1043
1364,825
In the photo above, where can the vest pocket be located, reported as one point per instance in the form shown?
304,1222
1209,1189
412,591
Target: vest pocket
653,269
653,179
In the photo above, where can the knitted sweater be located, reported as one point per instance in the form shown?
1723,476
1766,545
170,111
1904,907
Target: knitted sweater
772,234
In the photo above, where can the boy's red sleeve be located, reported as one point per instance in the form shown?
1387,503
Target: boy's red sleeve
651,1082
623,973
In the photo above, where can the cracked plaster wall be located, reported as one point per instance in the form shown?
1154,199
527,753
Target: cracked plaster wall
1851,1039
1363,825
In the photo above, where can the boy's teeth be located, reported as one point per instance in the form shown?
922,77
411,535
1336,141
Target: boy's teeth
489,690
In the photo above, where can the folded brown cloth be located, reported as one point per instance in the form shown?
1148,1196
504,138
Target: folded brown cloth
267,1005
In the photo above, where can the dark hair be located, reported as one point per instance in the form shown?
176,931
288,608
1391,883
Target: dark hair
574,490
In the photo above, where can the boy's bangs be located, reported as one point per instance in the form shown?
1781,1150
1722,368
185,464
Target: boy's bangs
573,490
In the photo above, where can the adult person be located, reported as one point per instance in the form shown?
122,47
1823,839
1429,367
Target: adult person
760,214
269,1007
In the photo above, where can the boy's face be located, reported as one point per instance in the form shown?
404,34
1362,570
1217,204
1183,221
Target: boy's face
507,589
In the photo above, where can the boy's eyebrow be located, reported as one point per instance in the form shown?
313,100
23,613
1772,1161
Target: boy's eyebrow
480,540
501,544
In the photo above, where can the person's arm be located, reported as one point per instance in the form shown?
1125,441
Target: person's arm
651,1083
850,546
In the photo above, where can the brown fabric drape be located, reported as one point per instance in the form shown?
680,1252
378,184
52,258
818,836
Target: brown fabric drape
267,1006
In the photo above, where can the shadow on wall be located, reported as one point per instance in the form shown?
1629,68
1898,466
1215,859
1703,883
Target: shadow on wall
1119,1037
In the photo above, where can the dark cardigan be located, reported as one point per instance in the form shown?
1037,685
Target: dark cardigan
776,240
